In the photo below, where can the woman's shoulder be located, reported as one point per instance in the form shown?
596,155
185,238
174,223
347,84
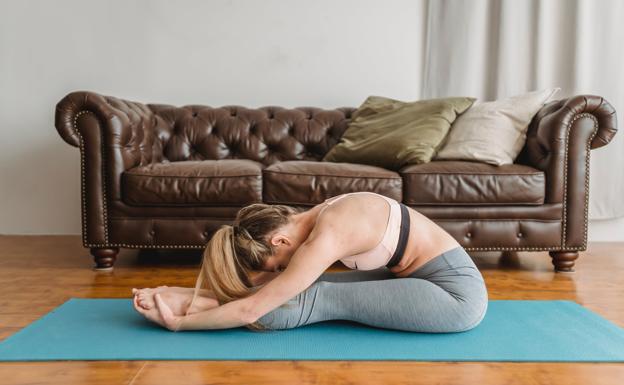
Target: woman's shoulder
335,198
365,194
356,212
353,222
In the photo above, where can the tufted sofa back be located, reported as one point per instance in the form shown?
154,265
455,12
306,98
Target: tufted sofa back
266,135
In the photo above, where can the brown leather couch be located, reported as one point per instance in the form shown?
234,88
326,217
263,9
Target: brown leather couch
166,177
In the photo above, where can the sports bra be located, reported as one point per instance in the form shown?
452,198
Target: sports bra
379,255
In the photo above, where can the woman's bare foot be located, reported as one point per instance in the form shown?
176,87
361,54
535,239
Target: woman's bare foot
146,295
178,302
178,299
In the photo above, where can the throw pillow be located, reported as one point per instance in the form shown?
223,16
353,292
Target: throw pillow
493,132
390,133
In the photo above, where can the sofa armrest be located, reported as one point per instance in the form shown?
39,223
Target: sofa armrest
118,116
113,135
548,128
559,140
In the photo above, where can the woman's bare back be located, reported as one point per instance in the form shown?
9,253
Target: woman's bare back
426,239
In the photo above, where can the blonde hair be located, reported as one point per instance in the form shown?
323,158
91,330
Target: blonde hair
236,250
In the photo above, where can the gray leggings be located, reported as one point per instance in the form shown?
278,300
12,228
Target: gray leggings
446,294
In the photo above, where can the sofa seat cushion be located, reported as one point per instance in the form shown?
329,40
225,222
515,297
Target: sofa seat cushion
472,183
310,182
206,182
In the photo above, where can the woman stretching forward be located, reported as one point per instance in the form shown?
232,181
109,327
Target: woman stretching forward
409,273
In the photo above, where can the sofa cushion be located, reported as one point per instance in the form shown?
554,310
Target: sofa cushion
310,182
454,183
391,134
204,182
493,132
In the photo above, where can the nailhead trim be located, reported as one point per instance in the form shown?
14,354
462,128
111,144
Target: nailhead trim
588,150
83,183
491,248
136,246
561,247
565,177
497,248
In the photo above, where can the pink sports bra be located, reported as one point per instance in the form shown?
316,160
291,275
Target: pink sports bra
380,255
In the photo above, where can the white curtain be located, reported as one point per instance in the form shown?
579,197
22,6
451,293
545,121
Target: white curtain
492,49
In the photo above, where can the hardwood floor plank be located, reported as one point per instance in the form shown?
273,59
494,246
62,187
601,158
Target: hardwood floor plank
69,372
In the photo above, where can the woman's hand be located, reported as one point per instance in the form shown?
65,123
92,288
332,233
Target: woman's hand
161,314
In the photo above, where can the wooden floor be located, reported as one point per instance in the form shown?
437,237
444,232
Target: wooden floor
38,273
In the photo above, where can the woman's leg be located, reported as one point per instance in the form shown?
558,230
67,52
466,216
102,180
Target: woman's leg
447,294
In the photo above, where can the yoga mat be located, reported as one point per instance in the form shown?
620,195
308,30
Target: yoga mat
110,329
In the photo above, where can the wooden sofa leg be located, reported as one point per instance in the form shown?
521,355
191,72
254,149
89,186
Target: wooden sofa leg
104,258
563,260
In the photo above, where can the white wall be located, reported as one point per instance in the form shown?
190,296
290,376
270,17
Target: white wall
218,52
253,53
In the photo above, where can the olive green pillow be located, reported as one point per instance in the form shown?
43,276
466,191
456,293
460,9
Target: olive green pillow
391,134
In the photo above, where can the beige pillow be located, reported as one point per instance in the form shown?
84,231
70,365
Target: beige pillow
390,133
493,132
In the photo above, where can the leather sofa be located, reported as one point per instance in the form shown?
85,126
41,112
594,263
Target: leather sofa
160,176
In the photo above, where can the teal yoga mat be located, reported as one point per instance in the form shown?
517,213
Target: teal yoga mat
110,329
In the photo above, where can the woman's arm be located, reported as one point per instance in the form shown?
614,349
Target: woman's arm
230,315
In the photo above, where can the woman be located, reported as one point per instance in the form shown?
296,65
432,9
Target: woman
409,273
